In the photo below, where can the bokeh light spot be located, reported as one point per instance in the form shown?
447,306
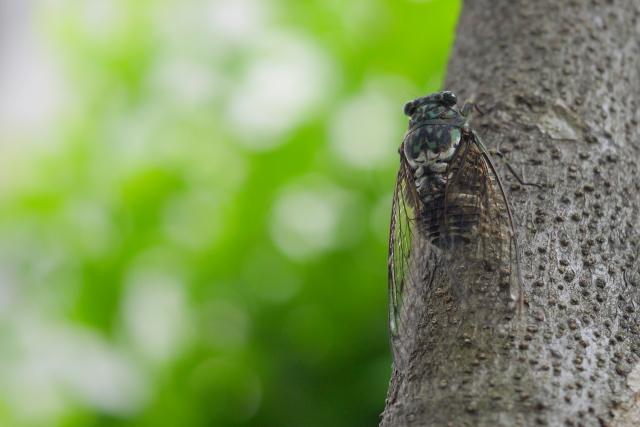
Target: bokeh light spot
58,362
279,89
238,20
313,216
304,223
187,83
156,314
364,132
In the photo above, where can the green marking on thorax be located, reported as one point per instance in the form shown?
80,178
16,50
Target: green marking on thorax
455,134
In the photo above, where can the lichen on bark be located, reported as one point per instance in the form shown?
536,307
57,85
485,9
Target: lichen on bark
560,86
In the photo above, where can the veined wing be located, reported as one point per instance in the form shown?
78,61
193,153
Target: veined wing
479,236
406,250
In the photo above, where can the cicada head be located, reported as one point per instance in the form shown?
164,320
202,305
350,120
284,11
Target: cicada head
434,131
430,106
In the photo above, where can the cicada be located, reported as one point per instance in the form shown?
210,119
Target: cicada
449,208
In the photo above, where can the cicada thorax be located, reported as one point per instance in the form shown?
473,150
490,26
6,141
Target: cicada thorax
429,149
433,151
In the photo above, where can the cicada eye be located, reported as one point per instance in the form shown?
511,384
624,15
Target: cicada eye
449,98
409,108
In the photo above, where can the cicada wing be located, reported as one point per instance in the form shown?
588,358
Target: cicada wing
505,254
407,254
479,237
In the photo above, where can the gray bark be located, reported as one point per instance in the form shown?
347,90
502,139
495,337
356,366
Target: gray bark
559,83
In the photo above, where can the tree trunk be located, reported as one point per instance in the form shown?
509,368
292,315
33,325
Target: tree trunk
559,84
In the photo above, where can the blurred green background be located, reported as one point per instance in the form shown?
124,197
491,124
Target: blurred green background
195,200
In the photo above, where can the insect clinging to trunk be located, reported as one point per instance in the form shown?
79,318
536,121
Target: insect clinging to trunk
449,206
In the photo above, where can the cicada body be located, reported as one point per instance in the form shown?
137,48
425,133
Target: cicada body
449,205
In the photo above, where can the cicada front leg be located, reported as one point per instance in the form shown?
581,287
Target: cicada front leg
468,107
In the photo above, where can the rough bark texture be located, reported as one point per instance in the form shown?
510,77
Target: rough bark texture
559,83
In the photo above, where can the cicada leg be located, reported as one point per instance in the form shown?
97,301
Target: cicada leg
495,152
468,107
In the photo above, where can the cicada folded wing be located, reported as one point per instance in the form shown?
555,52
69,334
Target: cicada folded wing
479,237
408,251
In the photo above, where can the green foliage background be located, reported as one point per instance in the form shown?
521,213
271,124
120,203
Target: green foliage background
200,238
